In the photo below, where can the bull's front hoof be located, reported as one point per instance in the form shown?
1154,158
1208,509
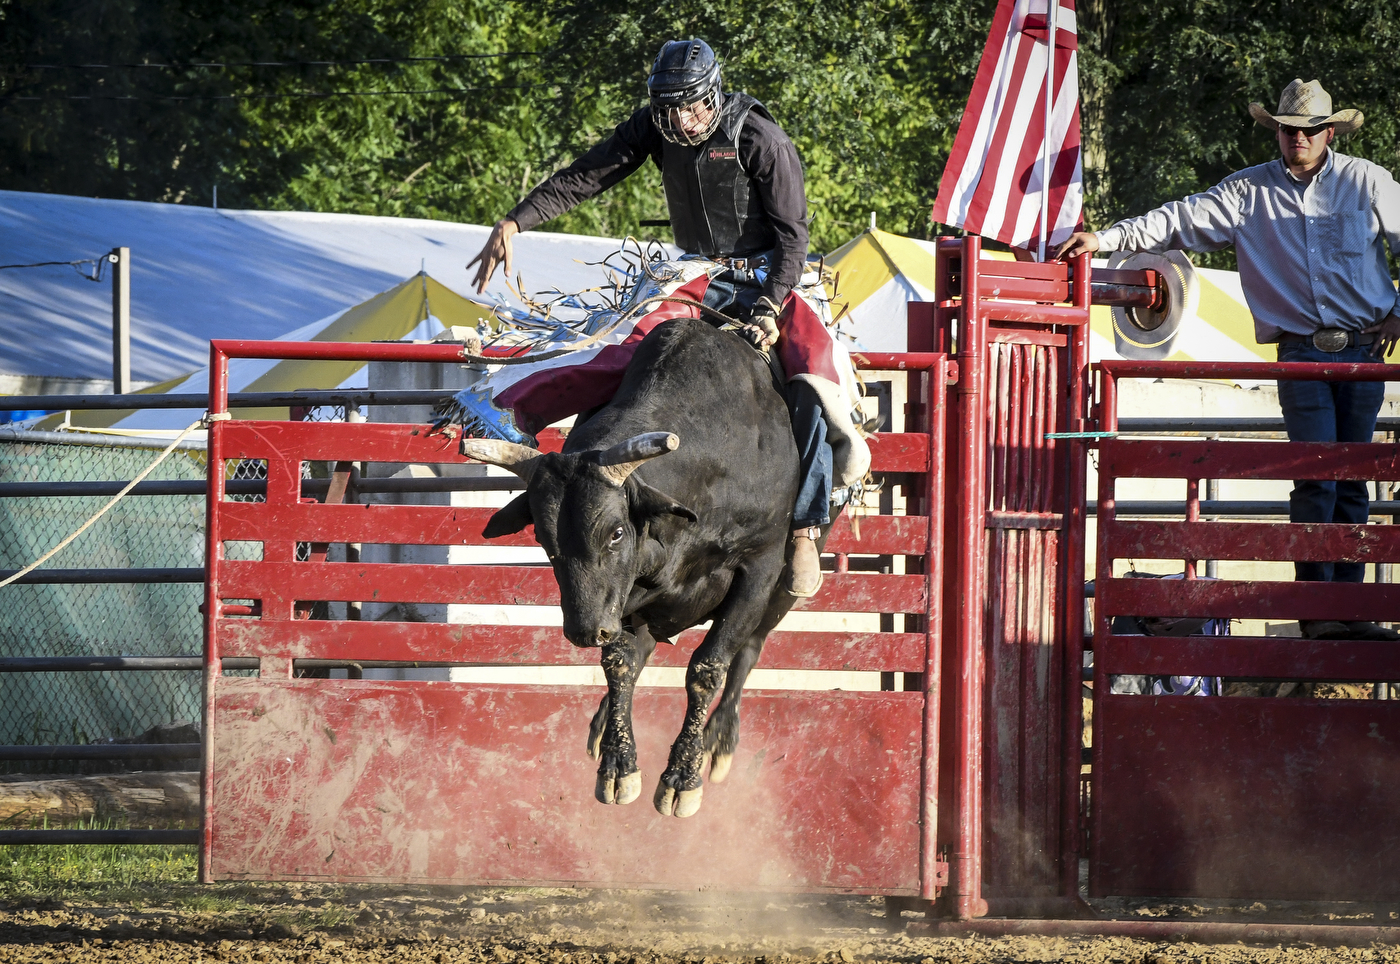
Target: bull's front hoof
719,766
673,803
612,788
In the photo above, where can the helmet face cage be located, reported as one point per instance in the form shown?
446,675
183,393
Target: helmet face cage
701,114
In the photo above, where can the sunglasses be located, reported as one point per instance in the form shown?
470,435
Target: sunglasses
1306,131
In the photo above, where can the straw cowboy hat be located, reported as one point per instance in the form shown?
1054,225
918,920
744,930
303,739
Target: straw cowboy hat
1306,105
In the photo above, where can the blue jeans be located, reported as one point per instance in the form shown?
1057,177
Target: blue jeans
734,294
1329,412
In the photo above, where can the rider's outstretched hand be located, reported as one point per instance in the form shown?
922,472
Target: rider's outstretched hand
496,250
762,327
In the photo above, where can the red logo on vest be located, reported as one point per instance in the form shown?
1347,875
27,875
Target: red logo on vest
724,154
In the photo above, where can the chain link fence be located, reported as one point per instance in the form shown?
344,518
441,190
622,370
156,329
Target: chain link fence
160,619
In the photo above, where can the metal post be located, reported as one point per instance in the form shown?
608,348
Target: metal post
1212,495
121,320
971,584
354,608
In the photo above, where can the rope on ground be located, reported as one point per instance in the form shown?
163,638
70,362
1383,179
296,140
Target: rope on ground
202,420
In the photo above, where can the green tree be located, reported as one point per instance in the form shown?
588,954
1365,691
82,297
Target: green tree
1168,86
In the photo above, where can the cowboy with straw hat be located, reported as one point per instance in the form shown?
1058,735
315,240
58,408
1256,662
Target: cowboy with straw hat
1310,232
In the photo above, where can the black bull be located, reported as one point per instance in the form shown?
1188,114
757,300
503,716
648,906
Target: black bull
645,547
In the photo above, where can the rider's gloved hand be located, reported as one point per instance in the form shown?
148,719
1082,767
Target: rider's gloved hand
762,326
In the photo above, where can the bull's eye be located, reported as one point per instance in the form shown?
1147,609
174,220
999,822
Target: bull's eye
616,537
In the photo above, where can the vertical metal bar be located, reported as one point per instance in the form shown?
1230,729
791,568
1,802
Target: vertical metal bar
1193,514
972,376
121,320
935,423
1212,495
1103,569
213,556
1071,582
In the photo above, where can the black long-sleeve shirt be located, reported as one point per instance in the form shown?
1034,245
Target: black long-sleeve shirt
765,152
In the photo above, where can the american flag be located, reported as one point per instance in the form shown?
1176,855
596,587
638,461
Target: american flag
992,184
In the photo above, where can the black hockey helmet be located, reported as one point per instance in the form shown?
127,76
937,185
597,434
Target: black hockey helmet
684,78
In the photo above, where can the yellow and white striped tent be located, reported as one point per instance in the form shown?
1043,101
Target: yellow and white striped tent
877,274
418,308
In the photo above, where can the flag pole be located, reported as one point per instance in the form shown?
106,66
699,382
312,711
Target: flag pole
1052,8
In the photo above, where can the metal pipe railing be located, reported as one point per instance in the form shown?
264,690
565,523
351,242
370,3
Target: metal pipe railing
115,664
309,487
102,751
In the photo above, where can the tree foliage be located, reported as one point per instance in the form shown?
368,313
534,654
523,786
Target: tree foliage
871,91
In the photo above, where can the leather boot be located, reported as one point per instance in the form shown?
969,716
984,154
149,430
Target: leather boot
804,574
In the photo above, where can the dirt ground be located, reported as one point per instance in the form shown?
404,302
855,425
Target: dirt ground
314,923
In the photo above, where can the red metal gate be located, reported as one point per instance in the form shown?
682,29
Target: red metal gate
1240,797
329,779
1019,334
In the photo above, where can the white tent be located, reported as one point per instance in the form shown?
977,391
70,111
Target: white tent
199,274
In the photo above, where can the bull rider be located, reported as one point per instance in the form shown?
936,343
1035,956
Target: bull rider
735,195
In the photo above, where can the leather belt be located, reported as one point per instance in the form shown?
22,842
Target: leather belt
744,264
1329,339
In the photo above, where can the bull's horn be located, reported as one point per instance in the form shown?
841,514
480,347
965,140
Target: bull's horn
520,459
622,459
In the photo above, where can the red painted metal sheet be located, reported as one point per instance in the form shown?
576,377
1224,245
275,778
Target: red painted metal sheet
1177,459
1291,542
1257,657
282,583
1247,798
488,644
368,781
1225,599
462,525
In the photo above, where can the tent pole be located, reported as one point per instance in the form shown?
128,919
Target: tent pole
121,320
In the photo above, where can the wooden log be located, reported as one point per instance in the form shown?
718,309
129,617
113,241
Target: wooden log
159,797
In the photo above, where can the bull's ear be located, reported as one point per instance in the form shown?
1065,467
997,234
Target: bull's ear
649,503
512,517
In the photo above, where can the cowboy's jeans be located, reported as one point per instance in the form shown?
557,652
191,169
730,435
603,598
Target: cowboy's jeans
1329,412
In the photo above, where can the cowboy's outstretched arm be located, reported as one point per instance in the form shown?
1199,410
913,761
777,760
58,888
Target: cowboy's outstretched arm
621,153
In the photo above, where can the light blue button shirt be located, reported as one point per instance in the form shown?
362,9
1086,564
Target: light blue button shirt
1310,255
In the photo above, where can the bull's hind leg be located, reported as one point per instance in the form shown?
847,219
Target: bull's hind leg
679,791
610,738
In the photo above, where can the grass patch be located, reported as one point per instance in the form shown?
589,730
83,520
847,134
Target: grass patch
130,873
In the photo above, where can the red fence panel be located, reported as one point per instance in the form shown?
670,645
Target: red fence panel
1233,796
470,782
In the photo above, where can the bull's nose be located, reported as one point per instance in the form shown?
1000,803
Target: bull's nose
606,636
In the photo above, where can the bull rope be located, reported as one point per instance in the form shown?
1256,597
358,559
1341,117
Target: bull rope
202,420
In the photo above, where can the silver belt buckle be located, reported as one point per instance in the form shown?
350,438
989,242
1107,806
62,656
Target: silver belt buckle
1330,339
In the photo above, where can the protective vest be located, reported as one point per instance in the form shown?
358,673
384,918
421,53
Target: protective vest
714,209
